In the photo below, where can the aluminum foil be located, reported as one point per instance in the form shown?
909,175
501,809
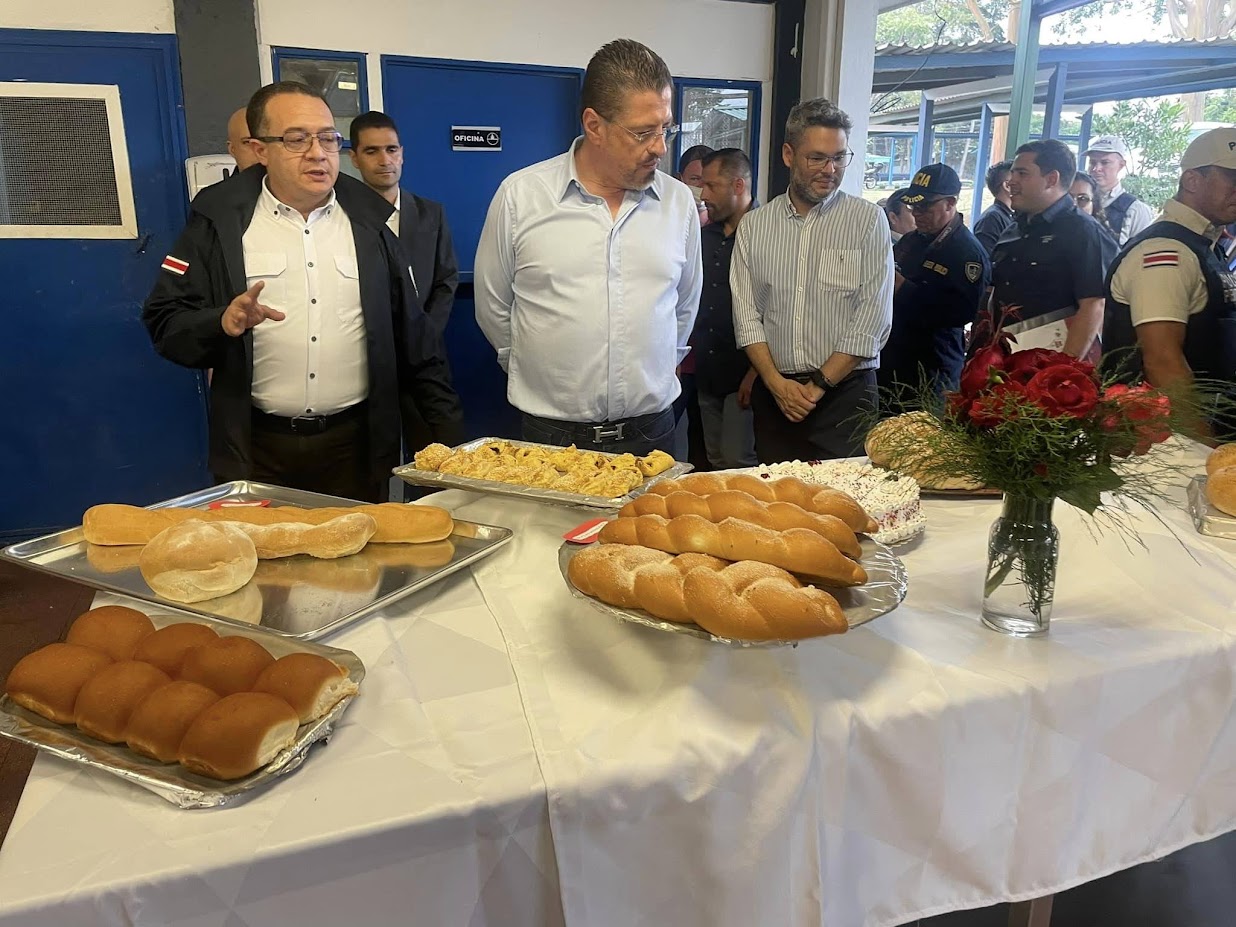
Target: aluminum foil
171,781
1208,519
409,474
884,590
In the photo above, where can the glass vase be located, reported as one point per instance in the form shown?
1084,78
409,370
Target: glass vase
1022,552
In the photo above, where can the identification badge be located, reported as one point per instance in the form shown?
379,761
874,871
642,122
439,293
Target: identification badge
587,532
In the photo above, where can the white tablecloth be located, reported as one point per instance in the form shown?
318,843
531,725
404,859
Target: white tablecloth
918,764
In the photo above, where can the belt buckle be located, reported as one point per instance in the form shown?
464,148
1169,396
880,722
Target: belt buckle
610,431
308,424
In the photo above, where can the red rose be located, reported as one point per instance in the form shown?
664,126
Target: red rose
1063,390
1023,365
1146,409
976,375
999,404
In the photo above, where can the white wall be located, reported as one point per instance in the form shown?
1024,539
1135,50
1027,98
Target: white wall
89,15
697,38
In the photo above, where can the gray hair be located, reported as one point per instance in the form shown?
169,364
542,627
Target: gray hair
812,113
619,68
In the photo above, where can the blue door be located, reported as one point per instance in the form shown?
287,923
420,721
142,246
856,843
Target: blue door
537,110
89,413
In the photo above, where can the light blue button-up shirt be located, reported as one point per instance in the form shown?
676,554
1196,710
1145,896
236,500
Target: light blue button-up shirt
590,314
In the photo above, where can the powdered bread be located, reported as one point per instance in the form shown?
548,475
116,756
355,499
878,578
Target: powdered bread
108,698
166,647
197,560
159,722
310,683
338,537
48,681
1221,490
228,665
238,734
111,629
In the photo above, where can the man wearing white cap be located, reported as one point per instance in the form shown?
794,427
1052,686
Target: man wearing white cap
1168,292
1126,215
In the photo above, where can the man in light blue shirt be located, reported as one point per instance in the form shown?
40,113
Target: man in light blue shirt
588,271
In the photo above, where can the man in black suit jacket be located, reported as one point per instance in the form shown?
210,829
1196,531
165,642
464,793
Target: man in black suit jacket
419,223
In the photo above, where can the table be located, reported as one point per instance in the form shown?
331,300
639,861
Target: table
519,758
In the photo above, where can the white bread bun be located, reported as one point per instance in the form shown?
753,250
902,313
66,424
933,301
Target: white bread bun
198,560
310,683
108,698
166,647
899,443
1221,490
238,734
160,720
48,681
1222,456
111,629
228,665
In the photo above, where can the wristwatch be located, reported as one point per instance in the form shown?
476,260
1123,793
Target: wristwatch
817,377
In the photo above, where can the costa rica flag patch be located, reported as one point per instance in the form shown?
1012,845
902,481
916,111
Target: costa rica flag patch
1160,259
175,265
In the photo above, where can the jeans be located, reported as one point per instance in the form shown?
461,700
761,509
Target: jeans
729,432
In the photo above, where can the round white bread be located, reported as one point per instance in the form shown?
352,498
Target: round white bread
48,681
166,647
111,629
1222,456
159,722
228,665
108,698
310,683
1221,490
898,443
198,560
238,734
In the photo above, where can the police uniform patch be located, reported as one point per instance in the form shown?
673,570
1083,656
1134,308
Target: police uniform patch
1160,259
974,270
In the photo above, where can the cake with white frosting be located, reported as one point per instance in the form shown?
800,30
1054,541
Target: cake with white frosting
892,500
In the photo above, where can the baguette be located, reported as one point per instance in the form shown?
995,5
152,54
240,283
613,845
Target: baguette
818,499
796,549
397,523
744,601
731,503
339,537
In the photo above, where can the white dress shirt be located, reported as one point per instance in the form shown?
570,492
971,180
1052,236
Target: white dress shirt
813,285
315,361
392,221
590,314
1139,216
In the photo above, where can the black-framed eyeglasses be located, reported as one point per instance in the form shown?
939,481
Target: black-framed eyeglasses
302,141
817,161
669,133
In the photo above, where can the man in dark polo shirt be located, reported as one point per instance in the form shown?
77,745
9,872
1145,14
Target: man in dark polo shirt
1048,268
942,276
997,217
723,375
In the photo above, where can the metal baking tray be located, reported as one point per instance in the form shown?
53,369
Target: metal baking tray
409,474
300,597
1208,519
169,780
884,590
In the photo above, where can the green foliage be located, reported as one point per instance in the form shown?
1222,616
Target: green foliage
952,20
1157,133
1220,106
1084,24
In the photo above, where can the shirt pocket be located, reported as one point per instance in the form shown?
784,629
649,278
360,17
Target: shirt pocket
271,269
347,303
838,270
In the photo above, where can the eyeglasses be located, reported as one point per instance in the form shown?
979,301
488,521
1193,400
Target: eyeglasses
643,138
301,141
815,162
1082,198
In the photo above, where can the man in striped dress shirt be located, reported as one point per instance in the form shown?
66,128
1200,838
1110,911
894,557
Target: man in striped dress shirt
812,281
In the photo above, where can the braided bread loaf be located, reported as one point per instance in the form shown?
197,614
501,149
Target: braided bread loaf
731,503
797,550
818,499
744,601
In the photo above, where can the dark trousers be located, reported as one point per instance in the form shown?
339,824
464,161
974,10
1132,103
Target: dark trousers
334,462
640,435
834,428
688,404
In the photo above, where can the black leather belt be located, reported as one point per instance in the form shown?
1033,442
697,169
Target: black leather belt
806,377
602,432
306,424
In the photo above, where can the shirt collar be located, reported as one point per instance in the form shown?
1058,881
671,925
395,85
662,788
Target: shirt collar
1190,218
818,207
570,176
1053,212
271,203
398,198
1115,191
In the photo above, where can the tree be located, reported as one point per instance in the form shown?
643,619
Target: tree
1220,106
1200,19
1157,134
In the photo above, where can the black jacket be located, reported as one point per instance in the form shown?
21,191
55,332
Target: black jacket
183,311
435,270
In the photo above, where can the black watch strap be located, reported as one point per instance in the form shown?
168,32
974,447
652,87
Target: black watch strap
818,378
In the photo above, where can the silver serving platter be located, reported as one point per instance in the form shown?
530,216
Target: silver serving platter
409,474
884,590
1208,519
169,780
300,597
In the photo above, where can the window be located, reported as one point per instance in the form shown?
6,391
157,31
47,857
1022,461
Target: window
64,165
338,76
719,114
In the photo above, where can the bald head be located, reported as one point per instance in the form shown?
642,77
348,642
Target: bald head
237,146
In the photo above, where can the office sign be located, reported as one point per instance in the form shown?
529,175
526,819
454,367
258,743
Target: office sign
476,138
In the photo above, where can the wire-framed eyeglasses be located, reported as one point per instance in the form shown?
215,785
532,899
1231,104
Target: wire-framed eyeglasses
817,161
302,141
669,133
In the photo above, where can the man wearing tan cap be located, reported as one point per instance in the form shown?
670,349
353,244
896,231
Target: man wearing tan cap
1126,215
1168,292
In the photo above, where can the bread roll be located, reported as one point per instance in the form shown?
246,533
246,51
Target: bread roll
904,442
1221,490
228,665
196,560
310,683
819,499
397,522
166,647
158,723
109,696
1222,456
112,629
237,735
339,537
48,681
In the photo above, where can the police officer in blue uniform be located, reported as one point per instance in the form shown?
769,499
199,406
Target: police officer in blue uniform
942,275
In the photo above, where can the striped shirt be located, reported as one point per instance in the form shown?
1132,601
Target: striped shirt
814,285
